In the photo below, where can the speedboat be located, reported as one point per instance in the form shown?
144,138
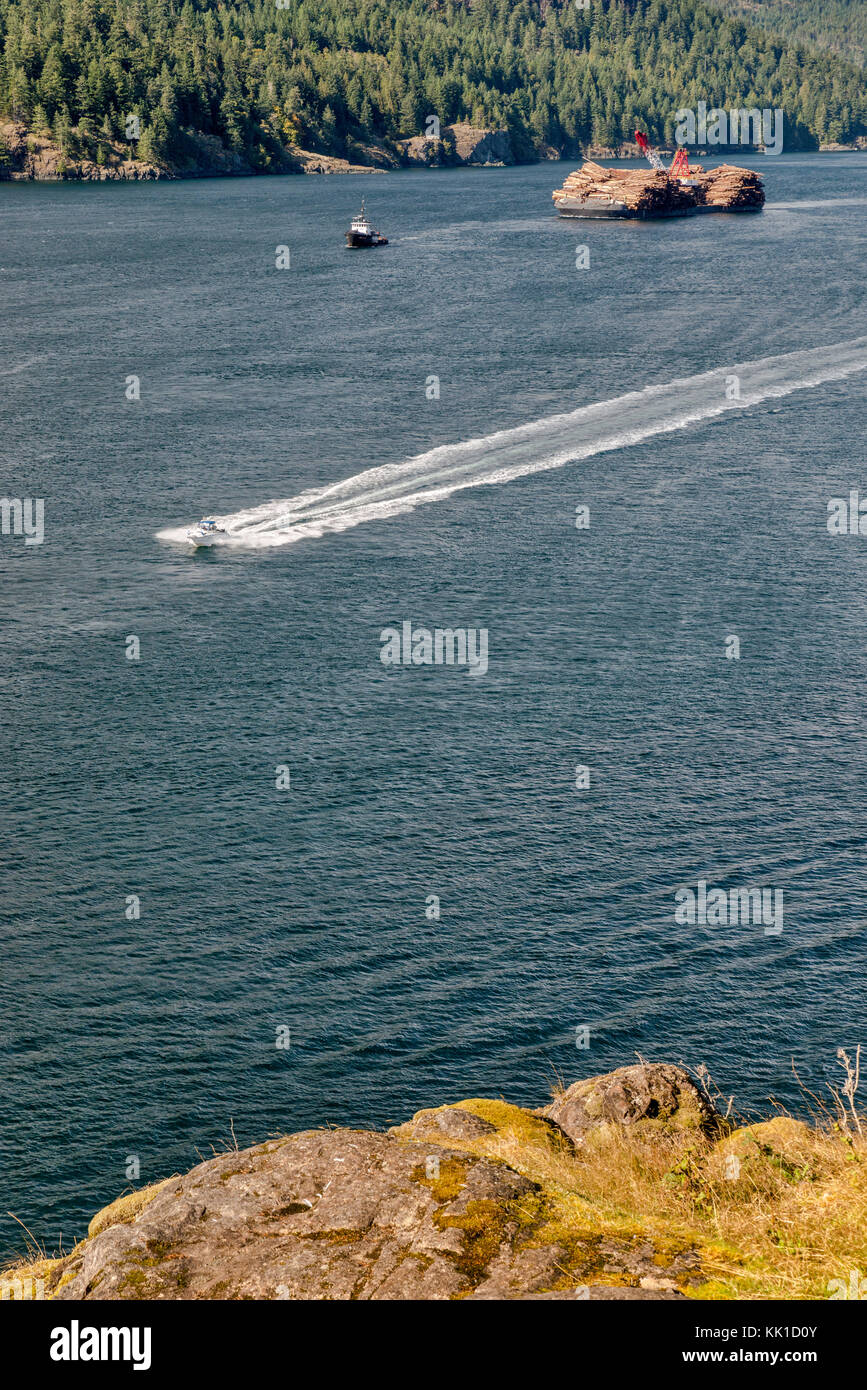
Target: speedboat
207,533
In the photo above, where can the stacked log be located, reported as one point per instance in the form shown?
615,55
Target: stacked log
729,187
642,192
652,193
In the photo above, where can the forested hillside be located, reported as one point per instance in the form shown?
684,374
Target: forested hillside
840,26
328,74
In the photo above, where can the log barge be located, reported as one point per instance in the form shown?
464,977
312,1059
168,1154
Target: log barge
596,192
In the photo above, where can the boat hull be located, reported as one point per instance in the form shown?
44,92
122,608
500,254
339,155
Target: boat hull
619,212
612,211
357,241
204,541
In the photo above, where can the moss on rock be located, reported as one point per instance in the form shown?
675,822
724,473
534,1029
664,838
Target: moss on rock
126,1208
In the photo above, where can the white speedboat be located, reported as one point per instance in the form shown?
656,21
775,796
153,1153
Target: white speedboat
207,533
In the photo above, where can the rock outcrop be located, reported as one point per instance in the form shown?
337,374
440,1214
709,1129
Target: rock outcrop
325,1214
309,162
619,1189
655,1095
29,156
460,144
348,1214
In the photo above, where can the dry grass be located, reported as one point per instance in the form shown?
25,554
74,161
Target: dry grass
793,1218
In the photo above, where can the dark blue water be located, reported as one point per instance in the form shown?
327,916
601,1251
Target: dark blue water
305,908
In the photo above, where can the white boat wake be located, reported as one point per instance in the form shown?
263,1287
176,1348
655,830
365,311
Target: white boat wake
552,442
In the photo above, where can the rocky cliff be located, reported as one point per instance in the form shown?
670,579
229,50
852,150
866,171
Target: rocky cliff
25,154
630,1185
28,155
459,144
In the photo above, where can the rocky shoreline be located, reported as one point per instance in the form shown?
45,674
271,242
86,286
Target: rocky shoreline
632,1185
29,156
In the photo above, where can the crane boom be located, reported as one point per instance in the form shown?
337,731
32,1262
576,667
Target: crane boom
649,154
679,165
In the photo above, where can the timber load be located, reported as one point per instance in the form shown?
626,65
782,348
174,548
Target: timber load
594,191
730,189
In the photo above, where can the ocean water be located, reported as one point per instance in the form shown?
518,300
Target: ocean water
264,394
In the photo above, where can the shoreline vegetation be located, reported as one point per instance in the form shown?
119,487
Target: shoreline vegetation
639,1184
145,89
29,157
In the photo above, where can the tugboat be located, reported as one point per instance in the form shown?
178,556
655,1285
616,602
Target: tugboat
362,234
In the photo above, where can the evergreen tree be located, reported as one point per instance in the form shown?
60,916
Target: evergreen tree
319,74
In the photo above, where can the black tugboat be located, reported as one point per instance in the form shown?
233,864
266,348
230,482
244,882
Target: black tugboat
362,234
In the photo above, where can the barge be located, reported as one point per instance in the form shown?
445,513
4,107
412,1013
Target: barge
596,192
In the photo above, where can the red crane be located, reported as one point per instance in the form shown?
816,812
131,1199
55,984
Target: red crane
649,154
679,165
